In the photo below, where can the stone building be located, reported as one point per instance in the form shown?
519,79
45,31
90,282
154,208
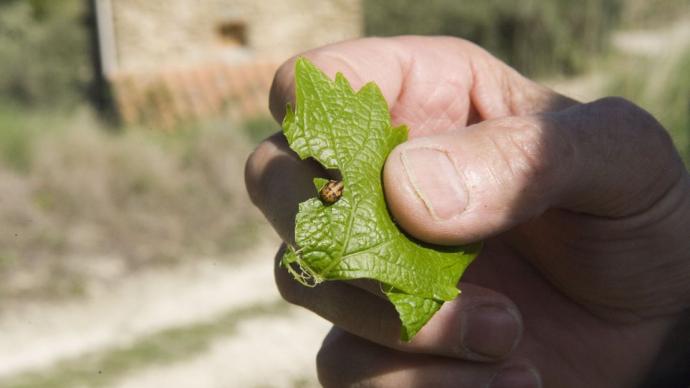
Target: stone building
173,59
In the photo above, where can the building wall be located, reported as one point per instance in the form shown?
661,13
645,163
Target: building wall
150,34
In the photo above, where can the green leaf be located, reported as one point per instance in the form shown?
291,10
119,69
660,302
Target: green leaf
355,237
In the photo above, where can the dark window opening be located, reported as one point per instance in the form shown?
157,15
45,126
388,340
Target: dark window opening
233,33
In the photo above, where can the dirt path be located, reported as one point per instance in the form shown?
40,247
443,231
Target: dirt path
38,336
264,352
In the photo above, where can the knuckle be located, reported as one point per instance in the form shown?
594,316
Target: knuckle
617,104
526,150
254,168
629,115
251,180
529,145
534,157
636,126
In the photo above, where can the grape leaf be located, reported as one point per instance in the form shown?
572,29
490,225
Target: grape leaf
355,237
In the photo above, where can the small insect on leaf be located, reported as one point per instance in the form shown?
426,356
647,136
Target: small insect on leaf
347,233
331,192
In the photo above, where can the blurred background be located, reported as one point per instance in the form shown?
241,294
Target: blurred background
130,255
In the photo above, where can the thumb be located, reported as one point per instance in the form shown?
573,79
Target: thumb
607,158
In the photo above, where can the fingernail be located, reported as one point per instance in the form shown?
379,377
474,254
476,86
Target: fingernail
435,180
490,331
516,377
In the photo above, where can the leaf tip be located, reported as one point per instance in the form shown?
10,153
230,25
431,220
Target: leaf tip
301,63
343,83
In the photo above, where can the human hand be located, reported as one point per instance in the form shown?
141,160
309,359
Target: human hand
584,209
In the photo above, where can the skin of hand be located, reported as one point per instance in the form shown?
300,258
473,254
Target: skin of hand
584,210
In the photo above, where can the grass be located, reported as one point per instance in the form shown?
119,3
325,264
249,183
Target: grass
15,140
74,190
44,46
661,86
19,127
106,366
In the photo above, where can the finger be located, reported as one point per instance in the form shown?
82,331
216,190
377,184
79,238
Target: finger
347,361
414,74
277,181
607,158
479,325
432,84
360,61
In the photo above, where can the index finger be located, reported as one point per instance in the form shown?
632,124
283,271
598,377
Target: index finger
360,61
431,84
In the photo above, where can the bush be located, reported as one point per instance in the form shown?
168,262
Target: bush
92,198
536,37
44,50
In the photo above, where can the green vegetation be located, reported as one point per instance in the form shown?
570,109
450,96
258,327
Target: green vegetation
44,48
355,237
259,128
15,138
535,36
71,188
661,86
